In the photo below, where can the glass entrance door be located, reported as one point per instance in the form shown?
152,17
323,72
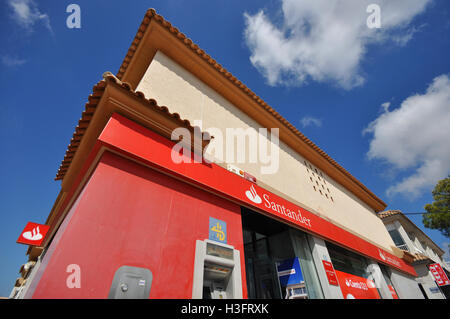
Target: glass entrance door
262,279
278,260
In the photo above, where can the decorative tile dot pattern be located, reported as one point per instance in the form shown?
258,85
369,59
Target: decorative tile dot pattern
318,181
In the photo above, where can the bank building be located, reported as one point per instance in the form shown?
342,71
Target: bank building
138,223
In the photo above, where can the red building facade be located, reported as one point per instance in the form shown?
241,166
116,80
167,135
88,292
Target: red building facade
125,202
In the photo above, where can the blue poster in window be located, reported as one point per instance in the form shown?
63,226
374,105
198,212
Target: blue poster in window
290,273
217,230
291,279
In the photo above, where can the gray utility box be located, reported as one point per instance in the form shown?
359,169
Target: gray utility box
131,283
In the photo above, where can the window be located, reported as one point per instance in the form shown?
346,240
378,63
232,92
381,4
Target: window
398,240
424,246
387,277
385,272
347,261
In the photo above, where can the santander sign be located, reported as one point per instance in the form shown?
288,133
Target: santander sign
273,204
276,206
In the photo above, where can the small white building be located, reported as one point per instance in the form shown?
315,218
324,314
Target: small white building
411,239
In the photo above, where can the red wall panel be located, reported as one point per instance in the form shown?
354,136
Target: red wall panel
129,214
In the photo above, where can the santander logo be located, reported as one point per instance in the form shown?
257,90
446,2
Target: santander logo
253,196
387,258
32,235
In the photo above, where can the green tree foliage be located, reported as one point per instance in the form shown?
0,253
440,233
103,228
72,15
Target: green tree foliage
438,213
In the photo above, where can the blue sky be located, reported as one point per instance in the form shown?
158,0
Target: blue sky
329,85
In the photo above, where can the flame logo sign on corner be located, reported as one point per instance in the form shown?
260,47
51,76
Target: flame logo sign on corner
32,235
253,196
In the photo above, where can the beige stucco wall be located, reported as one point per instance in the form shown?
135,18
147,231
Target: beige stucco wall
173,86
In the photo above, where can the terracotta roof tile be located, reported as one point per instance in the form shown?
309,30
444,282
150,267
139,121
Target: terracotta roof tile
420,257
151,14
388,213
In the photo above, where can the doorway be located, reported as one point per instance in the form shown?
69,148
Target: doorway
278,260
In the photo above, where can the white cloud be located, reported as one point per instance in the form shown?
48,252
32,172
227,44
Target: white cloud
385,106
324,40
309,120
403,38
415,137
26,14
12,61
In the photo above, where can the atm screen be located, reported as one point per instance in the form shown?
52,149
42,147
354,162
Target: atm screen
219,251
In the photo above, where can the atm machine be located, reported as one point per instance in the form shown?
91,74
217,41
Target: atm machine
217,271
